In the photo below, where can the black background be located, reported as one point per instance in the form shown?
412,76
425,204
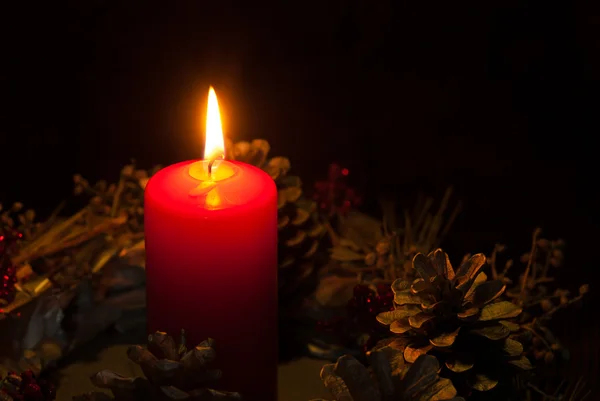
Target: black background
497,98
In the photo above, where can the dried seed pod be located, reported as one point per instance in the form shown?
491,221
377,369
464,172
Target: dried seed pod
171,378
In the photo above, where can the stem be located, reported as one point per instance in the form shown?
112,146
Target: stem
542,339
117,198
536,233
549,314
449,223
493,262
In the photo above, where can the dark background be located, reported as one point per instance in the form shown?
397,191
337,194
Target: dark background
498,98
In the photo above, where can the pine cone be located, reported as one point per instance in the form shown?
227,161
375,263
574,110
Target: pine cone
457,316
300,232
180,375
388,379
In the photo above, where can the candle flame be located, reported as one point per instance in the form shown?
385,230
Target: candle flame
214,146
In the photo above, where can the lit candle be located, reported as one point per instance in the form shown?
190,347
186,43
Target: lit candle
211,261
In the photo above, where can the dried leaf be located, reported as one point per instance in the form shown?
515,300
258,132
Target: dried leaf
479,279
357,379
471,267
297,239
388,365
335,291
488,291
423,372
301,217
459,365
401,312
499,310
423,267
282,221
419,285
411,354
496,332
405,297
483,383
400,285
443,389
335,384
281,200
277,167
512,347
400,326
291,194
434,307
441,262
312,250
419,319
343,254
445,339
468,314
291,181
522,363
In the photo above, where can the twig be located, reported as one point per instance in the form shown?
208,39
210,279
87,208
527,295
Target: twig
536,233
57,247
47,238
335,239
423,215
449,223
117,198
549,314
493,262
537,390
542,339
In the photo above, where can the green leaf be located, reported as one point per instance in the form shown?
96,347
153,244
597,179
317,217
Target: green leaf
510,325
407,297
445,339
496,332
512,347
401,312
499,310
522,363
483,383
343,254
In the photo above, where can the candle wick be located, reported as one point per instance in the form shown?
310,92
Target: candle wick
210,164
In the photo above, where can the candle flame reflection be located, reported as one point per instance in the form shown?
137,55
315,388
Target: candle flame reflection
214,145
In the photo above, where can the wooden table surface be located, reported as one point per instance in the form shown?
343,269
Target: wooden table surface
298,380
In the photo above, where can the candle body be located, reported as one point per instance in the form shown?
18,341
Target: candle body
211,266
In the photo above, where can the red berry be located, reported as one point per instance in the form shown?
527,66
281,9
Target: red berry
33,392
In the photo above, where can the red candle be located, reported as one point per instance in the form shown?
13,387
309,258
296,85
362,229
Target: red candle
211,261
